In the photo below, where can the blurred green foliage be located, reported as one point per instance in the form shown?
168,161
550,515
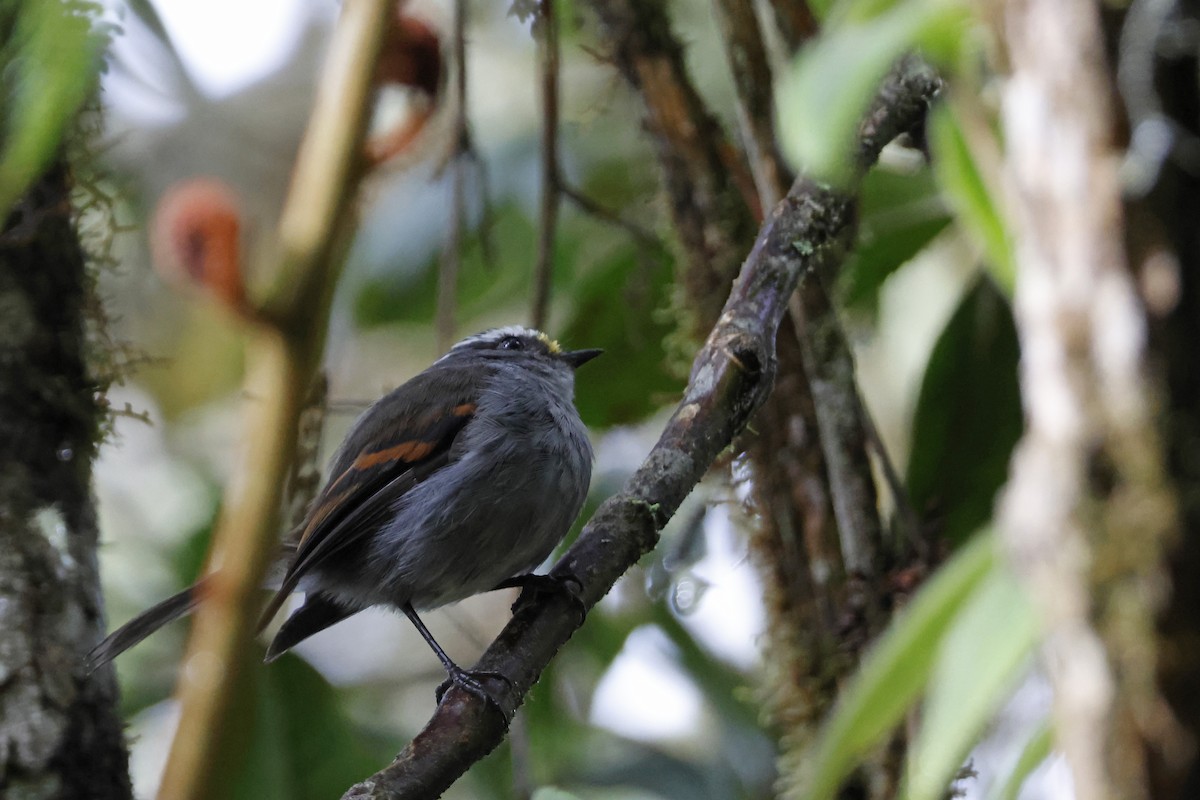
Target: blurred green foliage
617,295
299,744
900,214
895,672
973,197
1032,755
979,661
835,76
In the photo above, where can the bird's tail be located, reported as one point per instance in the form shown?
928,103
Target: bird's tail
146,623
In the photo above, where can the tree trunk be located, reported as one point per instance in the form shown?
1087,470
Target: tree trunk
60,735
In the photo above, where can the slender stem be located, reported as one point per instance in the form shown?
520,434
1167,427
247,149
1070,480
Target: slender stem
448,267
447,290
218,653
282,354
548,62
589,206
906,516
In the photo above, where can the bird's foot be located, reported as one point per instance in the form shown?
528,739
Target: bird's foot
469,681
534,586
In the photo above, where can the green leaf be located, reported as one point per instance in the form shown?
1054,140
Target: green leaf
899,215
299,744
49,57
979,662
969,194
897,668
1033,755
968,415
834,78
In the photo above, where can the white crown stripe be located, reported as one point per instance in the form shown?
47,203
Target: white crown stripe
496,334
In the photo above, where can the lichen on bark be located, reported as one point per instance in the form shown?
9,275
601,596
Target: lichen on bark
60,736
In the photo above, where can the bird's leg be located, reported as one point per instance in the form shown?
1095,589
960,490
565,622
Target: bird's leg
532,586
456,675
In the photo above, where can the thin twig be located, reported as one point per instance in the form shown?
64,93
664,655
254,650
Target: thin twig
906,519
448,266
592,208
447,288
487,214
546,33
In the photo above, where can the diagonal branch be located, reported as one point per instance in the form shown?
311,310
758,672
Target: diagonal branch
731,377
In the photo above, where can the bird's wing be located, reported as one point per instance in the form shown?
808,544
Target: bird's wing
399,442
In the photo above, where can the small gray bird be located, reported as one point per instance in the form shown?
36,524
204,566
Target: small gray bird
460,481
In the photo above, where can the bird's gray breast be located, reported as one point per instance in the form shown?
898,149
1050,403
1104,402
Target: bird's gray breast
518,475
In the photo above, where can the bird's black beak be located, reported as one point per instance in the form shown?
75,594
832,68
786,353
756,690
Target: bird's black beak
577,358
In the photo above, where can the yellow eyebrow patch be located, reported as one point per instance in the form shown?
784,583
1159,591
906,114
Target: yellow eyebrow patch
554,347
405,451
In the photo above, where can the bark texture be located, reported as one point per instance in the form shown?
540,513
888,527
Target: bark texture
60,736
1089,513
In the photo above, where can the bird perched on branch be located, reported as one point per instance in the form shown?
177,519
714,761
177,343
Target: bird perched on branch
460,481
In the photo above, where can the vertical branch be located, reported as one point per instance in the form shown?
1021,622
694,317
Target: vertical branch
548,62
61,733
793,539
447,289
1087,477
824,349
818,449
841,416
830,367
282,355
843,419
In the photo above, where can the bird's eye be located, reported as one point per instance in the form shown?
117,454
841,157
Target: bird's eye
511,343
